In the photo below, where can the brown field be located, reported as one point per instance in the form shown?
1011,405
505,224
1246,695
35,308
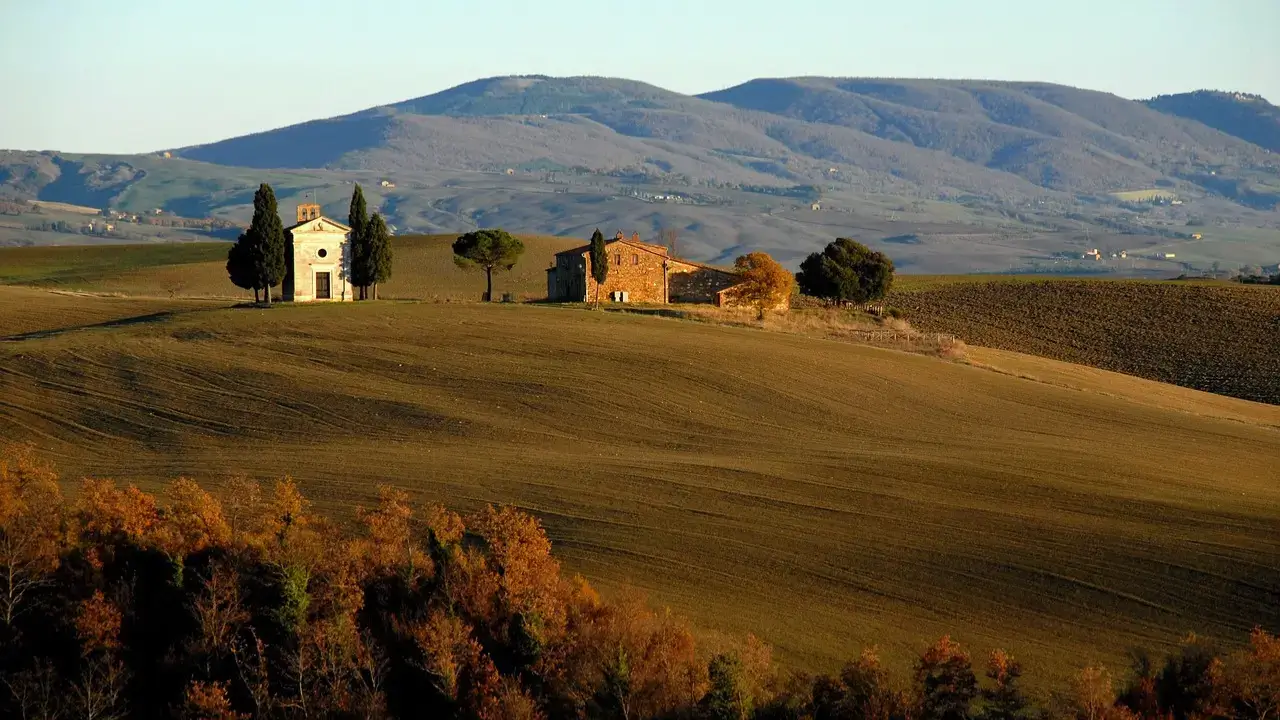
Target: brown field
822,494
1218,337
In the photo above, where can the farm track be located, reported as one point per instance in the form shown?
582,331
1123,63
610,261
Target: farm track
822,494
1217,338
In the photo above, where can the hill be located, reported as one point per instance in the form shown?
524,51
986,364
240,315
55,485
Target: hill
1217,337
424,269
1005,172
821,493
1248,117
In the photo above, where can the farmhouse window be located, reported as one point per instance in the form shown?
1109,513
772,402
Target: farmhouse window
635,259
617,259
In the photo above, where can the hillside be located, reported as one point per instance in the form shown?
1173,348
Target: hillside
876,496
1215,337
423,270
1248,117
1014,171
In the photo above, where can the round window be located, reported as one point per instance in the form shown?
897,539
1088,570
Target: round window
322,252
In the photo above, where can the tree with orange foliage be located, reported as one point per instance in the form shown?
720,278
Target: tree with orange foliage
109,515
763,283
1004,699
98,694
945,682
444,642
1093,696
208,701
1253,676
519,555
31,529
863,690
390,543
191,520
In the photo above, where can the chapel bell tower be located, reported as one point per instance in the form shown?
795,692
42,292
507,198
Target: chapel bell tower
308,211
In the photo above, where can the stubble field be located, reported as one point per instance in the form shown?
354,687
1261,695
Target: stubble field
1217,337
822,494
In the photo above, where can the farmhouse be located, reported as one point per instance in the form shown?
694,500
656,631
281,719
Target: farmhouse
317,258
638,272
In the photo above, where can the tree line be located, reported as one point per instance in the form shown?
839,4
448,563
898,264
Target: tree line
249,604
258,259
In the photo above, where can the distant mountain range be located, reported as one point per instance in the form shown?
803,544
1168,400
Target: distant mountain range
987,138
547,146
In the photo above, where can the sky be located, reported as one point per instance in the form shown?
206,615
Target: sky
123,76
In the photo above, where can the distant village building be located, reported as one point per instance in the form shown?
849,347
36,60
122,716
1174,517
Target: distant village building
388,184
317,258
815,207
638,272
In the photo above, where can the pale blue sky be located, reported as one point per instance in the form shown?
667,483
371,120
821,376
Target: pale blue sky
140,75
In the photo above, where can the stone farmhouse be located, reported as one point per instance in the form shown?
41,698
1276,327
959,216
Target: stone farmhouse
317,258
639,272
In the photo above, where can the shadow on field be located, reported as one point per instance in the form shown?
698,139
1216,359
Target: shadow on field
122,322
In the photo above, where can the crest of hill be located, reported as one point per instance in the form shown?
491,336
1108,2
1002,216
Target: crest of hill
1012,140
1055,136
1248,117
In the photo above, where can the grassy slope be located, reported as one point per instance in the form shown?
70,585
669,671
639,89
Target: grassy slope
825,495
1211,336
423,269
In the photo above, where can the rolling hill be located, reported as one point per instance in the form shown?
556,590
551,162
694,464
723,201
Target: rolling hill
822,494
1019,170
423,270
1248,117
1217,337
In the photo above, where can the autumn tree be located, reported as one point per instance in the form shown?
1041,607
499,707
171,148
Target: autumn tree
362,272
209,701
1253,677
762,283
98,693
944,682
599,258
1093,696
379,245
488,250
1003,698
863,690
390,544
31,538
846,272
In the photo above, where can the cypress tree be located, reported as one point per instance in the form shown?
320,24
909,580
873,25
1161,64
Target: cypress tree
358,218
599,262
240,265
379,239
266,241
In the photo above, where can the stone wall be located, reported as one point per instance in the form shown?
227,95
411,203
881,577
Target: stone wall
696,283
646,275
568,282
634,270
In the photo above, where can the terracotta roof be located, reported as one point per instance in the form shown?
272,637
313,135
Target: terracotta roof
648,247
